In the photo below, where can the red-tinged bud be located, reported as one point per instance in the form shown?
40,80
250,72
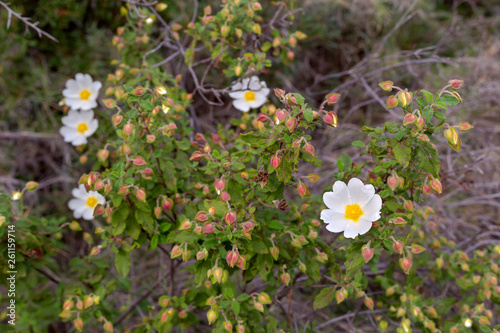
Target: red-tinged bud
239,33
399,221
280,116
340,295
315,223
185,225
493,280
451,135
398,247
303,190
247,226
487,293
99,210
367,252
392,182
208,228
302,267
224,196
230,217
262,117
386,85
79,305
219,185
83,179
217,274
330,119
150,138
124,149
186,255
332,98
291,123
92,178
127,130
256,6
228,326
295,144
240,329
322,257
285,278
405,97
417,249
140,161
102,155
147,173
409,119
369,303
224,31
202,255
309,149
302,240
391,102
420,123
157,212
455,84
405,264
167,204
465,126
140,194
457,96
78,324
279,93
275,251
176,251
198,229
196,156
242,263
232,257
408,205
313,234
123,190
435,185
99,185
109,103
68,304
108,327
88,301
426,189
258,306
423,138
256,29
201,216
296,243
276,161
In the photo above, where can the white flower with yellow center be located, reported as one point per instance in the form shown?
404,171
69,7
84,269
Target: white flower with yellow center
249,94
352,208
84,203
78,126
81,93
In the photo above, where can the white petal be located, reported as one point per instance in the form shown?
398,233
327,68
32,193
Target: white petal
88,214
77,213
237,94
74,204
371,211
339,198
92,128
87,80
68,133
258,102
80,192
87,105
71,119
357,228
71,93
96,85
74,103
237,86
335,220
86,116
241,105
100,198
265,91
360,193
254,83
71,84
79,140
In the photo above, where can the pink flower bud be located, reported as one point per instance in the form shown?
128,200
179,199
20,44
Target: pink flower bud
369,303
367,252
399,221
275,251
202,255
436,186
426,189
232,258
92,178
423,137
315,223
116,119
408,205
123,190
127,130
330,119
276,161
420,123
140,194
99,210
185,225
68,305
303,190
465,126
201,216
456,84
404,97
313,234
391,102
417,249
176,251
98,185
258,306
140,161
398,247
405,264
242,262
409,119
167,204
208,228
309,149
451,135
247,226
196,156
230,217
78,324
386,85
186,255
280,116
219,185
279,93
291,123
340,295
217,274
285,278
332,98
228,326
392,182
322,257
224,196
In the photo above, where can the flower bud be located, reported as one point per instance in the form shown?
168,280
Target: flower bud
259,307
201,216
228,326
392,182
332,98
313,234
219,185
123,190
176,251
285,278
417,249
256,29
330,119
408,205
451,135
167,204
31,185
386,85
186,225
196,156
404,97
399,221
68,305
322,257
420,123
398,247
309,149
426,189
208,228
224,196
369,303
280,116
303,190
391,102
127,130
275,251
139,161
232,257
279,93
161,7
264,298
276,161
88,302
217,274
409,119
291,123
465,126
455,84
186,255
224,31
367,252
340,295
230,217
78,324
116,119
212,316
240,328
79,305
140,194
436,186
405,264
242,262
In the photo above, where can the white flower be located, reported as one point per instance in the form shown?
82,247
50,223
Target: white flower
78,126
249,94
82,92
352,208
85,202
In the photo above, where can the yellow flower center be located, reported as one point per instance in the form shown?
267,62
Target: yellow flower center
353,212
249,96
82,128
91,202
85,94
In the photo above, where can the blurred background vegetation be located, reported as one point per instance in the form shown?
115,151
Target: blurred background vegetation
350,47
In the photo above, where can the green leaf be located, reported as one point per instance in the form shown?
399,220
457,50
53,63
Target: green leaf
427,113
421,101
308,115
354,259
358,144
428,159
392,127
259,246
402,154
243,297
448,100
146,105
440,105
154,242
299,98
275,225
122,263
344,162
183,145
236,307
255,140
399,135
428,95
210,243
324,298
145,220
